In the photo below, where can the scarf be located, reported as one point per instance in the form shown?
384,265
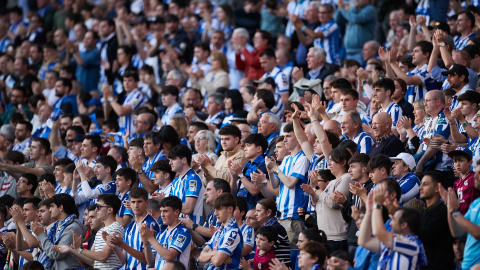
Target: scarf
55,233
270,221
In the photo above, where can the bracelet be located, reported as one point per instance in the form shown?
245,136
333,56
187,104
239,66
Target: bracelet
303,28
110,99
314,121
454,215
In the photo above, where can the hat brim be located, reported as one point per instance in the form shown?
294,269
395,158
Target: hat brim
453,152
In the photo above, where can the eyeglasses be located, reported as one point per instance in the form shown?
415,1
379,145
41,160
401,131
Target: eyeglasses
246,131
200,138
98,207
139,122
21,182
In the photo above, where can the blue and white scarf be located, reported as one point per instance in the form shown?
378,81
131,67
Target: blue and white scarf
55,233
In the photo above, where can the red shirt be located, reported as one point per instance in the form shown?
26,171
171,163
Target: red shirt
250,63
466,191
262,262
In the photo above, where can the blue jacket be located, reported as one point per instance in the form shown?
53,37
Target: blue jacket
360,27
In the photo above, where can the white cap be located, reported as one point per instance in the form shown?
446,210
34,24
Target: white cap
407,158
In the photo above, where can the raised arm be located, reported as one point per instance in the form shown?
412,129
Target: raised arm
365,238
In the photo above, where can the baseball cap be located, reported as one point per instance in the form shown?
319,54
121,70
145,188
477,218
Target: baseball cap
456,69
407,158
78,138
442,26
463,151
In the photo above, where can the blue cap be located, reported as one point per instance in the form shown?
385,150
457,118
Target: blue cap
94,101
78,138
463,151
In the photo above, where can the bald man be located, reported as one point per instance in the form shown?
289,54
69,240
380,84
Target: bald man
385,142
333,126
437,131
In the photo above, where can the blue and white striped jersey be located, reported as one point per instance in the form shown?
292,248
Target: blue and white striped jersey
91,194
20,147
395,112
409,184
123,210
134,100
363,140
90,164
420,131
331,42
416,92
147,164
460,42
175,110
289,200
279,106
248,235
438,126
190,185
227,239
281,80
61,189
206,68
178,238
132,238
455,103
407,253
298,8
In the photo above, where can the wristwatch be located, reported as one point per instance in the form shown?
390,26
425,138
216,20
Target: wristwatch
317,187
264,183
276,172
194,226
110,99
240,176
442,44
464,124
80,250
139,171
377,206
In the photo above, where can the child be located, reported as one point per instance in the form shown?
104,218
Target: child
264,254
126,177
465,185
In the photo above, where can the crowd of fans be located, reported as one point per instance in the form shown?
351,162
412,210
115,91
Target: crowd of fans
220,134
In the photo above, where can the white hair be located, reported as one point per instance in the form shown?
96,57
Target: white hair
211,144
319,52
242,32
274,119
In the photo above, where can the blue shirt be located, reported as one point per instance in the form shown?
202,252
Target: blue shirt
416,92
331,42
257,164
289,200
471,255
248,235
363,140
438,126
131,236
395,112
190,185
179,239
134,100
407,253
409,185
147,164
460,42
227,239
123,210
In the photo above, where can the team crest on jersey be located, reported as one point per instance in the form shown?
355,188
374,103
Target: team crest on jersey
180,240
231,238
465,183
193,185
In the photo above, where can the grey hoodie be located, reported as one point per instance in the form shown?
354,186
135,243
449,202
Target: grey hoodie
63,261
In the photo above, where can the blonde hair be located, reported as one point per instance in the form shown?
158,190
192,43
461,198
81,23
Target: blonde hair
181,126
222,59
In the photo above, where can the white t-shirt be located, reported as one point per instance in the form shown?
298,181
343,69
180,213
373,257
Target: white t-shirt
112,261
